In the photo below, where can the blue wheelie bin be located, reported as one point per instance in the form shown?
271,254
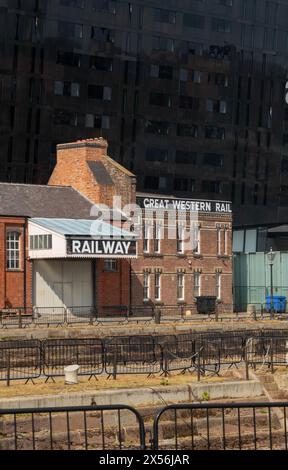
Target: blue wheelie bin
278,303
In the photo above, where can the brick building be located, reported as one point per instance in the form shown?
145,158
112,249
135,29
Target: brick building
57,253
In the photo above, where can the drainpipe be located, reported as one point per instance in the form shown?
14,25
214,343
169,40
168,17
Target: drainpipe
24,261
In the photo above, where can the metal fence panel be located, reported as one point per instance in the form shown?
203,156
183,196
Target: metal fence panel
20,359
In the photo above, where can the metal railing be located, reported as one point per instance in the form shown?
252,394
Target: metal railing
237,426
193,426
72,428
200,353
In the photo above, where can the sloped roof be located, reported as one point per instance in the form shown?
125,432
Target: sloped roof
80,227
43,201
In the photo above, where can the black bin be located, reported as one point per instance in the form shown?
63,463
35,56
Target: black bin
206,304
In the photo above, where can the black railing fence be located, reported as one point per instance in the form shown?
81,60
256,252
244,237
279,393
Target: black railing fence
193,426
242,426
73,428
21,317
200,353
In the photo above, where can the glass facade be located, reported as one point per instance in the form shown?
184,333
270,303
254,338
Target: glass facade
200,85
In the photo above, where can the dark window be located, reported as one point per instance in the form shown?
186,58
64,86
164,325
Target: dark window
162,44
70,30
185,157
187,130
285,139
284,166
102,34
155,182
164,16
69,58
188,102
65,118
156,155
212,132
193,21
104,5
66,89
213,159
97,121
99,92
221,25
73,3
221,79
101,63
160,99
211,186
157,127
216,106
161,71
184,184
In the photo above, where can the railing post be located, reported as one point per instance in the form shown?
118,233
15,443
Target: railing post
8,369
65,316
114,364
20,318
246,362
198,366
272,356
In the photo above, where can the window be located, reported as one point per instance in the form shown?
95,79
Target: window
196,239
212,132
69,59
284,165
102,34
193,21
213,159
218,285
157,286
211,187
185,157
13,249
161,71
66,89
110,265
184,184
197,284
186,130
216,106
218,240
157,238
188,102
162,44
155,182
99,92
160,99
146,238
221,80
108,6
73,3
226,240
180,286
101,63
64,118
157,127
146,286
196,76
70,30
221,26
40,242
164,16
97,121
183,75
156,155
180,239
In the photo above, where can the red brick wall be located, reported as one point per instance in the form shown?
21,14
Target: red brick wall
12,282
113,288
170,263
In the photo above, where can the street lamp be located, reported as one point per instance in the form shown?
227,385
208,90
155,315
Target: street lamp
271,256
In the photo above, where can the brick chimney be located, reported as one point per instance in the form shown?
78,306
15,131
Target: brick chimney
85,166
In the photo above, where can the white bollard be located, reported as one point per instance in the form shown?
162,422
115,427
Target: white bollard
71,374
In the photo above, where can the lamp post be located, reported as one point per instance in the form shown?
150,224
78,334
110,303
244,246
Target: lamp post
271,256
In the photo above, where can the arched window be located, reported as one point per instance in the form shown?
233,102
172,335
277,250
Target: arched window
13,249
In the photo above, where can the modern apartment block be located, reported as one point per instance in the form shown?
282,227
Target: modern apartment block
190,94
